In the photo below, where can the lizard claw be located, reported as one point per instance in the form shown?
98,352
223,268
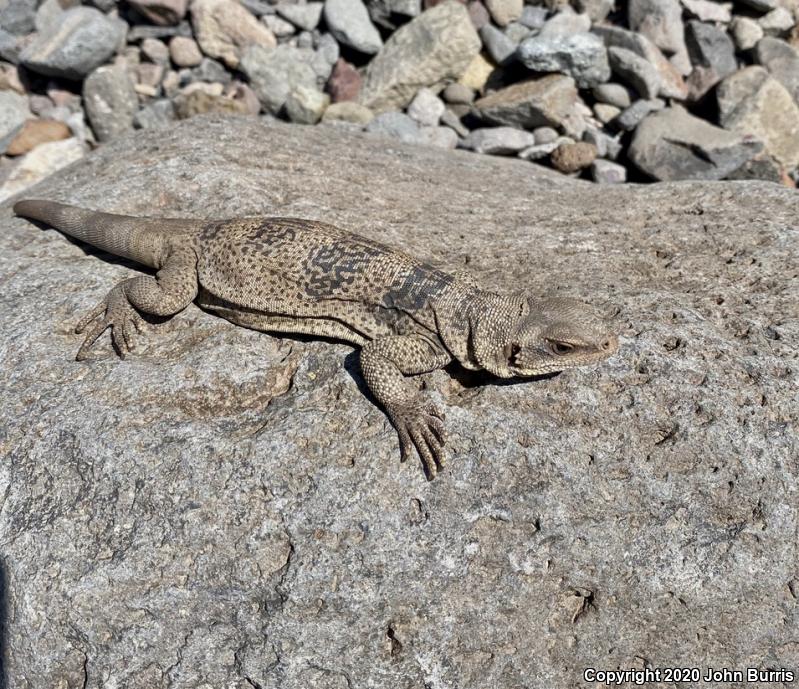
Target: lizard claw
423,430
114,312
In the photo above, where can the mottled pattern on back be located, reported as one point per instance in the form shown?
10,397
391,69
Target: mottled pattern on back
297,267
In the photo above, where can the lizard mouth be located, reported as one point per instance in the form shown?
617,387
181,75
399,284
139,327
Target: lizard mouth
518,369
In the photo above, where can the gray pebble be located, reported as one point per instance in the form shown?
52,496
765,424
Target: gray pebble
157,114
612,94
210,70
606,172
458,93
450,119
499,140
440,137
517,32
278,26
349,22
396,125
303,16
545,135
631,117
501,48
533,17
426,108
155,51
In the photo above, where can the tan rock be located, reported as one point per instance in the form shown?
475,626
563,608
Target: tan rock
347,111
547,101
224,28
435,47
573,157
9,79
36,132
199,102
185,52
503,12
477,73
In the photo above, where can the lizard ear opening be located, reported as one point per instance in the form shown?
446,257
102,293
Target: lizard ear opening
511,352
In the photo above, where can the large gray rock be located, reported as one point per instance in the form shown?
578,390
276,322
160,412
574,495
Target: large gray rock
110,101
672,144
226,508
436,46
548,101
81,40
582,56
274,74
349,22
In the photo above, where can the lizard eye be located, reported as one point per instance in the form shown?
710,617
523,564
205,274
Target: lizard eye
560,348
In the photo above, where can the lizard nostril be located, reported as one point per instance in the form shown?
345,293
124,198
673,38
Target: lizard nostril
608,343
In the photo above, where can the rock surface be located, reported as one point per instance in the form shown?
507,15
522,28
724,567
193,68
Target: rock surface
226,508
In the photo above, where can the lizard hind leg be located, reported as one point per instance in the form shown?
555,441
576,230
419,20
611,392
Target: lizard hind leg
172,289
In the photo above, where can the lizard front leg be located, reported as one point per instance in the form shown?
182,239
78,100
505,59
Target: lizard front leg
172,289
384,363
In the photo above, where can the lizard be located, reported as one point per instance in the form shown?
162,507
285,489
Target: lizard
289,275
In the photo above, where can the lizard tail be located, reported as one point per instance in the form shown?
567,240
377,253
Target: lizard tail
143,240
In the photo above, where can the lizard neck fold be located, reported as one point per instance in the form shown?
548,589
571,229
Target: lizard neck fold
476,325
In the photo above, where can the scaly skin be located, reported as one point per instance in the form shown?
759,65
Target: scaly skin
300,276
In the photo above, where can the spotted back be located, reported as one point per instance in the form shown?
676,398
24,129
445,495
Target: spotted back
301,267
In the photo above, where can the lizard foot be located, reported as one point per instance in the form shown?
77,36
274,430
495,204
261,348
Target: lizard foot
420,425
114,312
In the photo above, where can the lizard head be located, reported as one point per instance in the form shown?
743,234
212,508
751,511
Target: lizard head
525,337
